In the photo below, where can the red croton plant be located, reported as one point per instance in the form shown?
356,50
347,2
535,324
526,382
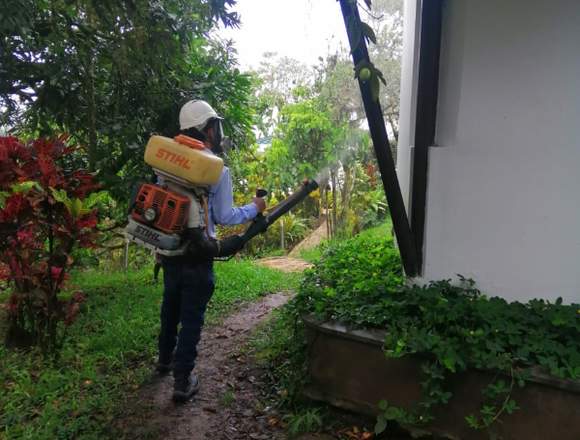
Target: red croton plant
46,209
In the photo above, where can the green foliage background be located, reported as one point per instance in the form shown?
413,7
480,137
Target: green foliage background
111,73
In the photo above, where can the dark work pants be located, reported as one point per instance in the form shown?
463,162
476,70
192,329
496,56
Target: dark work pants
188,289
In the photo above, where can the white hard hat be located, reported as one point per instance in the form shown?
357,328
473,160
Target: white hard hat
196,113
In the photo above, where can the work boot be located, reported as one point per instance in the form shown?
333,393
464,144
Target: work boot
185,387
164,364
163,368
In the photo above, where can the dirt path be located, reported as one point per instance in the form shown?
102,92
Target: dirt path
285,264
227,406
293,262
313,240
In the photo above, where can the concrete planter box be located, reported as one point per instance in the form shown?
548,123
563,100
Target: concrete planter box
348,369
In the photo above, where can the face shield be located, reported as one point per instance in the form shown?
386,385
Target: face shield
221,144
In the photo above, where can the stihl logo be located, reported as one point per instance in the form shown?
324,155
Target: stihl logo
147,233
173,158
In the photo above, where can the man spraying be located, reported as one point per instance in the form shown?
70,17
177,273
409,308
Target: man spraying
189,279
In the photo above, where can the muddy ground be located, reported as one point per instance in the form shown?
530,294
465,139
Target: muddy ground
228,405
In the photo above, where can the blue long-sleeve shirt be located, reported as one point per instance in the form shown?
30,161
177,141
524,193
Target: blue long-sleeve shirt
221,205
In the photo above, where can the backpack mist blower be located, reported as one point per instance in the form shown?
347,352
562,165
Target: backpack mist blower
170,217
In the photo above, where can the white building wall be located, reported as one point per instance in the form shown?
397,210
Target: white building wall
504,179
408,96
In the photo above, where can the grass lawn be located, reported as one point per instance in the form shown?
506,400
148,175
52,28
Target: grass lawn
314,254
109,351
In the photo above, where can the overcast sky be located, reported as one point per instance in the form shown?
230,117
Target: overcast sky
301,29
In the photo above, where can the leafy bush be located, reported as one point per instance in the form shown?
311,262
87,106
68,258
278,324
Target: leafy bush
45,212
376,208
456,328
294,227
353,278
463,328
452,327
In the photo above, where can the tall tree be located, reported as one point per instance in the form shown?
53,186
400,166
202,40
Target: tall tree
335,75
337,86
309,135
111,72
386,19
280,81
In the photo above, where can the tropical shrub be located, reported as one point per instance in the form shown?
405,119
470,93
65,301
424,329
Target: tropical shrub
456,328
293,227
353,277
452,327
46,210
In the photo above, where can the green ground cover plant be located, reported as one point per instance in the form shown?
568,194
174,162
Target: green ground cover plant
351,277
280,342
109,350
452,327
456,328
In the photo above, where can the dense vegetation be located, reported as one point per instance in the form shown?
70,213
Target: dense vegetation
451,327
109,351
352,278
110,73
358,281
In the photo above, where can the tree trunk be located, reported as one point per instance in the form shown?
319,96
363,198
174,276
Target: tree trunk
346,193
282,244
327,214
91,102
395,135
334,203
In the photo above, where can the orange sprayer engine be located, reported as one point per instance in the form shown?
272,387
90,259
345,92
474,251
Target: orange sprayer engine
167,209
160,213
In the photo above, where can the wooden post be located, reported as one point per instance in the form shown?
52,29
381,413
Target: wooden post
282,244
